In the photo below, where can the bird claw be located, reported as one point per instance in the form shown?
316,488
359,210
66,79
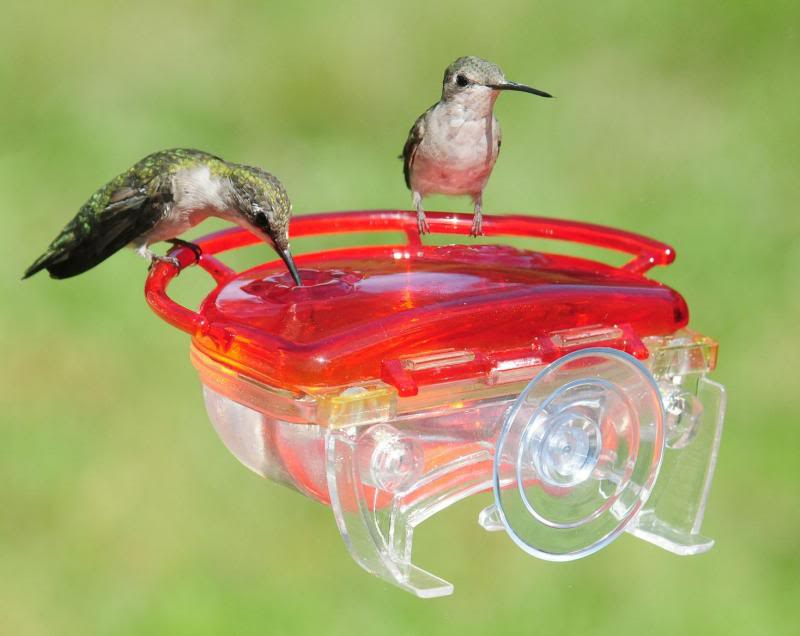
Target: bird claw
422,226
198,252
476,230
171,260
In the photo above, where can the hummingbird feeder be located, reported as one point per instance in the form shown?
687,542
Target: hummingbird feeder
401,379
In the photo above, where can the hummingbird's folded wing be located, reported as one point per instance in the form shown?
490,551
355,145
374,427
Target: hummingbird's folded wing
415,136
110,220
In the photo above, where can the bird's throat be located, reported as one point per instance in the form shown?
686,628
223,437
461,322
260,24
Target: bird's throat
476,103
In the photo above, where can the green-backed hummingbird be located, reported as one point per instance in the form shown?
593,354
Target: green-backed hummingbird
162,196
452,147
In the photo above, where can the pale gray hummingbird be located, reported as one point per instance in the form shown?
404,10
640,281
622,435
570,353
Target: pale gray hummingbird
452,147
162,196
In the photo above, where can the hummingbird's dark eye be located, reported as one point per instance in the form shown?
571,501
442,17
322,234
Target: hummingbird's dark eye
462,80
261,219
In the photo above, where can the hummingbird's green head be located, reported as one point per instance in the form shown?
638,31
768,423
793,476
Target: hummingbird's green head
265,208
473,76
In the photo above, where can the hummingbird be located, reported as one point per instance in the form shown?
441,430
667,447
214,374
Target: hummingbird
453,146
159,198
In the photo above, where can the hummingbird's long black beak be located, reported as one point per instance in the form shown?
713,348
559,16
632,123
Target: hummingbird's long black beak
513,86
286,255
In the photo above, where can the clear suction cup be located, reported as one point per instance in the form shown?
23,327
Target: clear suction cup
578,454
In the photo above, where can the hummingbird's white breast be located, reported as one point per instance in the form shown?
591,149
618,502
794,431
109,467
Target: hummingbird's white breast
459,147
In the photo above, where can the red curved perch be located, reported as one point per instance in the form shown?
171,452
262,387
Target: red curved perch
646,252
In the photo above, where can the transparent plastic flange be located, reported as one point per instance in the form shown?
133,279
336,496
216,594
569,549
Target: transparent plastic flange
384,482
673,516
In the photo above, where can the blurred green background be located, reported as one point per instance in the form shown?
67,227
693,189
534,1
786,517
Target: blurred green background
121,511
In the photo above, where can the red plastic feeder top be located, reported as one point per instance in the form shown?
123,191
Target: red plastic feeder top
362,312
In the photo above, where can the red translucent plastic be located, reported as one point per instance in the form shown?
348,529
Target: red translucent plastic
361,310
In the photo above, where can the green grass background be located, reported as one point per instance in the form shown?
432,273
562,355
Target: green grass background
121,512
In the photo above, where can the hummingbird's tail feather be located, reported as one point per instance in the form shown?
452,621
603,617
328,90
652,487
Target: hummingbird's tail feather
66,256
65,264
38,265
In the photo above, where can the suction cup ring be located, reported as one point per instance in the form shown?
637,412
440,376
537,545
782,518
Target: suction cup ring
578,454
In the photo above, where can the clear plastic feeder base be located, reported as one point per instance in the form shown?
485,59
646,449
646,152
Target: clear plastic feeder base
597,444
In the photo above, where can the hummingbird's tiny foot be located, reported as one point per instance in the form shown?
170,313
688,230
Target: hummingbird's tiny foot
172,260
422,225
477,218
154,258
422,222
198,252
476,230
